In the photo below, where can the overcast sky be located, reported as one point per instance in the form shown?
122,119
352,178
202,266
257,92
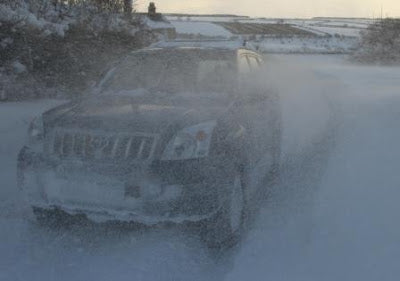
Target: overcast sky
280,8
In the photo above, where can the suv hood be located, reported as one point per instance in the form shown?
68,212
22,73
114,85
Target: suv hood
136,114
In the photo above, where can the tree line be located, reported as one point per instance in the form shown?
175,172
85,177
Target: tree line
380,42
52,48
115,6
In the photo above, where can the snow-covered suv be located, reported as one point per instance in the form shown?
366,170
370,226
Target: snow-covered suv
170,135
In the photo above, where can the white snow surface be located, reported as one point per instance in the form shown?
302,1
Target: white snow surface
205,18
348,229
307,45
332,35
343,31
156,24
15,118
333,215
206,26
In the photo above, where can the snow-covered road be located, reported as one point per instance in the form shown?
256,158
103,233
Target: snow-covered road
334,215
347,228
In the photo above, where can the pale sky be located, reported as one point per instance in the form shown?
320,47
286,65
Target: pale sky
280,8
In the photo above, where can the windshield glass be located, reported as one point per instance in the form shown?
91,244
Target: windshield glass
174,71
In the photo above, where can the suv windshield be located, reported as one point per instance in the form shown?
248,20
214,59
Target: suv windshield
175,71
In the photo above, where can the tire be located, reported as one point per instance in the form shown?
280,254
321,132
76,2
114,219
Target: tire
225,229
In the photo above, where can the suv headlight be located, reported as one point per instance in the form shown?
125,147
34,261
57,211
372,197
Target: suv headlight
190,143
36,130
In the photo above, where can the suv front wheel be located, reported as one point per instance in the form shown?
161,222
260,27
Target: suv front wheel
226,227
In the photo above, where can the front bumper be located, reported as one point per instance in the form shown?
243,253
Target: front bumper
158,193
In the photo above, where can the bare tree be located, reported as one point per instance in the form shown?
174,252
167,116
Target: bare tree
381,42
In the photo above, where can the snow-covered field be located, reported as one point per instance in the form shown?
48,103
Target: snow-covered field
203,28
331,35
317,45
323,26
333,216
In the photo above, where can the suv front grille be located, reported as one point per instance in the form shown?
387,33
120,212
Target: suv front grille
83,145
